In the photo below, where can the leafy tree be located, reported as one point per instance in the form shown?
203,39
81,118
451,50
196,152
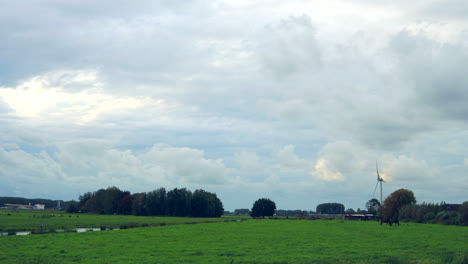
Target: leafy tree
179,202
373,206
395,201
111,200
330,208
205,204
125,206
94,203
350,211
263,207
138,204
463,210
72,207
156,202
84,198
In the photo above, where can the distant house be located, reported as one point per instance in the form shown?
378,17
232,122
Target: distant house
25,206
452,207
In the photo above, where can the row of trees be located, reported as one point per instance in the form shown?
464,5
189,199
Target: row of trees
435,213
176,202
330,208
401,205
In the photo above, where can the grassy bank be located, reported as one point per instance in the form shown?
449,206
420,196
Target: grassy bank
253,241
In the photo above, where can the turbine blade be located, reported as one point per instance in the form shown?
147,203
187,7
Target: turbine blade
377,169
373,196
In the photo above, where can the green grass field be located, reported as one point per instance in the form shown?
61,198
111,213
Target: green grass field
38,221
252,241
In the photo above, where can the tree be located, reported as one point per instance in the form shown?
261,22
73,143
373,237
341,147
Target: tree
178,201
156,202
125,206
330,208
84,198
111,200
138,203
463,210
72,207
263,207
395,201
206,204
373,206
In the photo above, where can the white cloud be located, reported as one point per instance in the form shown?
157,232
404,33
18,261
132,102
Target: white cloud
323,172
406,169
249,161
189,166
30,174
98,164
54,95
288,159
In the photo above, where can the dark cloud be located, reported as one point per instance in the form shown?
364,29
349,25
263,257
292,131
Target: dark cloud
119,38
289,46
435,73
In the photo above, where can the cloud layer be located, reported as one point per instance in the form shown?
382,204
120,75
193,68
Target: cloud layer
293,101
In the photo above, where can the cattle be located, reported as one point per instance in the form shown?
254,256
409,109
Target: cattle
390,222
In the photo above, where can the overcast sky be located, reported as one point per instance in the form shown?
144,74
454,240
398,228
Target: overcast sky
290,100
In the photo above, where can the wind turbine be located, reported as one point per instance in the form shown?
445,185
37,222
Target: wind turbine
379,180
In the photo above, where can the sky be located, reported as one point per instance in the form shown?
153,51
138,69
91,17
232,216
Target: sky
294,101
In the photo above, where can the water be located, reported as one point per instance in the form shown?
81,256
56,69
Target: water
81,230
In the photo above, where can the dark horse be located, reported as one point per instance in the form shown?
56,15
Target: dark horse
390,222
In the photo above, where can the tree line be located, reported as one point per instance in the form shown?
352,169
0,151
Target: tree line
401,206
176,202
435,213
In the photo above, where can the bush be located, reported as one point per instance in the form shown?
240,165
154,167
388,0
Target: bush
429,216
442,216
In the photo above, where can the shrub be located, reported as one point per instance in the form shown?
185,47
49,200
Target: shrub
429,216
442,216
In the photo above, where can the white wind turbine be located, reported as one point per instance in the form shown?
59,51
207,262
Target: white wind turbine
379,180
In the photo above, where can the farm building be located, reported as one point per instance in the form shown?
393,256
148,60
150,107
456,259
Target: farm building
25,206
360,217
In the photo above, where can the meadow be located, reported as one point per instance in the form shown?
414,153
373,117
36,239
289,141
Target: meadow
49,221
251,241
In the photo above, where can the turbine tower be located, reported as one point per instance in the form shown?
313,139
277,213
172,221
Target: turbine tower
379,180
